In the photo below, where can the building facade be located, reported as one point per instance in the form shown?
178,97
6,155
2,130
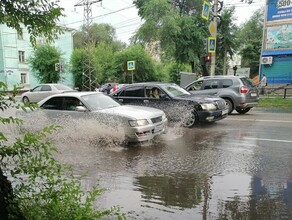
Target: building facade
276,57
15,50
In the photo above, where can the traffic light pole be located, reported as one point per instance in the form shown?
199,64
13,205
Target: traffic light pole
213,55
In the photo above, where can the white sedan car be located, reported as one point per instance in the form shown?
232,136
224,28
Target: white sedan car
43,91
139,123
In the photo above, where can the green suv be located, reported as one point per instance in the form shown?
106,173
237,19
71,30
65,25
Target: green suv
239,92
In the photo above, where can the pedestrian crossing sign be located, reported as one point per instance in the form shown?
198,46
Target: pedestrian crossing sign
131,65
212,44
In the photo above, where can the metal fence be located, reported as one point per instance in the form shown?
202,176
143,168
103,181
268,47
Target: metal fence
281,92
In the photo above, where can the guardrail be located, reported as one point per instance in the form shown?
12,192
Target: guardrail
282,92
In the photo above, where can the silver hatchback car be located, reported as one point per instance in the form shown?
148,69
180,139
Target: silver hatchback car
43,91
239,92
139,123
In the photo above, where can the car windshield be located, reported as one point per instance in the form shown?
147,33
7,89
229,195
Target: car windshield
99,101
174,90
63,87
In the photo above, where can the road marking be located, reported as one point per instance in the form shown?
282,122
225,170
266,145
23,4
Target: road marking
264,139
257,120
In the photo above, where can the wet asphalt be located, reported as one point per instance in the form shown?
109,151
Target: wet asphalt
236,168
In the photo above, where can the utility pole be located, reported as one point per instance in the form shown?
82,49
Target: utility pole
213,55
88,75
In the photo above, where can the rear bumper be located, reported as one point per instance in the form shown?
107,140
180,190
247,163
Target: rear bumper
146,133
211,116
247,103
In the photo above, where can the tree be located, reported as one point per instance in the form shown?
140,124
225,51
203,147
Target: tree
39,17
45,64
77,61
227,32
177,26
145,67
250,41
98,33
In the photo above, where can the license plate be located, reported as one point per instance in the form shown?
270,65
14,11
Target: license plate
224,112
253,94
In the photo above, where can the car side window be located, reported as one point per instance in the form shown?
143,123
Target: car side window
53,104
46,88
212,84
153,92
70,103
133,92
226,83
195,86
37,89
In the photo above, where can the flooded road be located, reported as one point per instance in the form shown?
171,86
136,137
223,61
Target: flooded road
237,168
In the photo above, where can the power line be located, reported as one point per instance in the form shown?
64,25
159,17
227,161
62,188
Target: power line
104,15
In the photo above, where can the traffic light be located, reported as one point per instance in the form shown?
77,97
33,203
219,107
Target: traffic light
220,43
207,58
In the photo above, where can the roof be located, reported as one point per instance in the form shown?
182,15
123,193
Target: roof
150,83
221,76
76,94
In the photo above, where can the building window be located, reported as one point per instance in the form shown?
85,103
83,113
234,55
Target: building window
19,35
21,56
23,78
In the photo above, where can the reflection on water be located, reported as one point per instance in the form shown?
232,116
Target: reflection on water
178,192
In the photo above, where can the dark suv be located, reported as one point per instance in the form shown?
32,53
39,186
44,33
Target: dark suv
176,102
239,92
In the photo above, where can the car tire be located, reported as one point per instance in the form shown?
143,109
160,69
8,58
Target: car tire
242,111
190,120
25,99
230,106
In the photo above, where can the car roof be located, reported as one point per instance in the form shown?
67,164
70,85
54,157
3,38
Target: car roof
51,84
221,76
150,83
74,94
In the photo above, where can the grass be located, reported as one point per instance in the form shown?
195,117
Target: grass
275,102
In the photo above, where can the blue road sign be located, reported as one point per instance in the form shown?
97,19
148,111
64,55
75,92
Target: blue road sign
206,10
131,65
211,44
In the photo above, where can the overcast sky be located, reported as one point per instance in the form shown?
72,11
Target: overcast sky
123,16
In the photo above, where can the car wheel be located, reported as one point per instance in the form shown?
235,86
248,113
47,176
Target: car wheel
242,111
230,106
25,99
190,119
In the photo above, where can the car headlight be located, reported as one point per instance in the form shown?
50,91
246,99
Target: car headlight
137,123
208,106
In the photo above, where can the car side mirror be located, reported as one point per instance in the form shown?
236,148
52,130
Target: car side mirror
81,109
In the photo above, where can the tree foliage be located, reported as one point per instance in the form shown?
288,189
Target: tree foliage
227,32
39,17
43,62
145,67
177,26
250,41
98,33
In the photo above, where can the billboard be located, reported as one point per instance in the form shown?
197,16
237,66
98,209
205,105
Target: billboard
279,9
279,37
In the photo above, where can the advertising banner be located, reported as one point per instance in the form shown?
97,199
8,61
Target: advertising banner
279,37
279,9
